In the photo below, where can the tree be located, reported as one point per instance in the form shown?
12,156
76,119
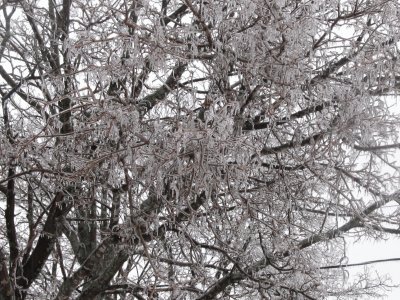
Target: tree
193,149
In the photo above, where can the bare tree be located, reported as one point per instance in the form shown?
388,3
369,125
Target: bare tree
193,149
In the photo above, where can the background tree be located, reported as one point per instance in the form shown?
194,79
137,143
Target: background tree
192,149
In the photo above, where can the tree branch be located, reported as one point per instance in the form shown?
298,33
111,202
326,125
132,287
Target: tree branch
6,288
148,102
15,88
370,262
176,14
3,189
377,148
97,285
45,244
9,215
255,125
306,141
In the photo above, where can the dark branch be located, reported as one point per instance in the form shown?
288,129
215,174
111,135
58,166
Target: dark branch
45,244
176,14
370,262
6,289
9,214
377,148
292,144
254,125
148,102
